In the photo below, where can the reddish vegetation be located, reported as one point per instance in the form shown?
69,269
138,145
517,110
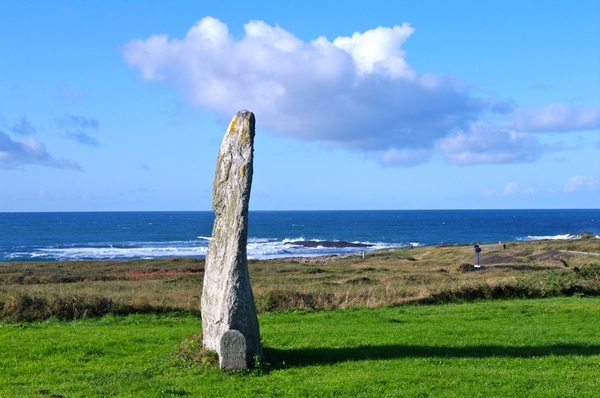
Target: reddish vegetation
160,274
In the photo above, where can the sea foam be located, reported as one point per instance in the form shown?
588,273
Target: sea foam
554,237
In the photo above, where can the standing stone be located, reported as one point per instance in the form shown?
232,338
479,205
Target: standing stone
227,299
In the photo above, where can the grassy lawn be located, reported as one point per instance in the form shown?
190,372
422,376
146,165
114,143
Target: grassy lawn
542,347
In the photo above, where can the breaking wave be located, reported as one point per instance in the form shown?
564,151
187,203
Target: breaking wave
257,248
557,237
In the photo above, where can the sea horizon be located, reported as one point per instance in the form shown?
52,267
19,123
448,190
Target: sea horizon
116,235
299,210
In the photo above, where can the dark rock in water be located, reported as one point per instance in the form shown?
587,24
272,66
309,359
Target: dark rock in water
328,243
227,299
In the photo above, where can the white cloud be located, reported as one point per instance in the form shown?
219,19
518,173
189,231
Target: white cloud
14,153
379,49
579,182
556,118
483,143
355,92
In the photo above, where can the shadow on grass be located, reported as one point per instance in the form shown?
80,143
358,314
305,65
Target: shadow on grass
326,356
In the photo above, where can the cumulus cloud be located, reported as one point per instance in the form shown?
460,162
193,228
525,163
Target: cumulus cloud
579,182
14,153
379,49
77,128
556,118
357,92
484,143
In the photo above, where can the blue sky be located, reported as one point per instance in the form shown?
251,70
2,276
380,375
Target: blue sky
122,105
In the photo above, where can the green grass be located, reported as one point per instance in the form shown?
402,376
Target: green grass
373,341
542,347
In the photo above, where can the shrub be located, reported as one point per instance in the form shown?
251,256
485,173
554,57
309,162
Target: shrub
191,353
590,271
66,308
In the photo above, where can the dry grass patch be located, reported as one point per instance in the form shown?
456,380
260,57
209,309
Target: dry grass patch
385,278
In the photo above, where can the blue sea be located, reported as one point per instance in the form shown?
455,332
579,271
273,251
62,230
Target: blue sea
274,234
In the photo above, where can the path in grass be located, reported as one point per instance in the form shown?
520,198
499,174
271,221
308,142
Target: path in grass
542,347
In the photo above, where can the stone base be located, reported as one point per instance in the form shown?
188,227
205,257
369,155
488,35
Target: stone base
232,355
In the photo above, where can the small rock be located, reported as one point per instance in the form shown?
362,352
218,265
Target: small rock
232,355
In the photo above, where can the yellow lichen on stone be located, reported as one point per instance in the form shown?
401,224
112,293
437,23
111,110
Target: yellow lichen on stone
232,125
245,129
242,170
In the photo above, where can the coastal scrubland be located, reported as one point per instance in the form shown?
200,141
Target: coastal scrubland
399,322
423,275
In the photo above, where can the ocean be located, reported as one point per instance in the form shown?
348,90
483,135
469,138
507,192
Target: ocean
274,234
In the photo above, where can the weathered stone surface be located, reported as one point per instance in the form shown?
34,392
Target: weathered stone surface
232,352
227,299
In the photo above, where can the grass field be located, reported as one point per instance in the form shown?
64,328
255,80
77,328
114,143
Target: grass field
331,327
533,348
